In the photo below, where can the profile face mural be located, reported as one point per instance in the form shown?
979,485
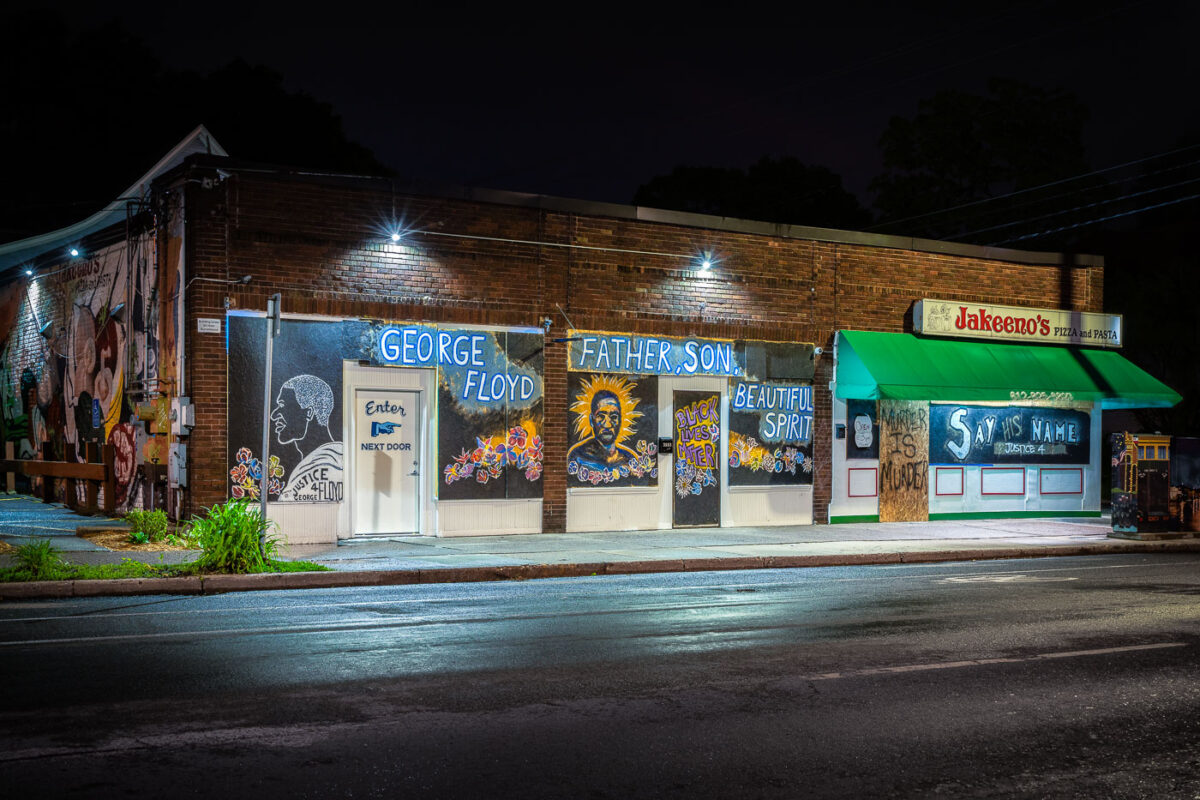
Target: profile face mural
301,419
489,406
306,463
613,430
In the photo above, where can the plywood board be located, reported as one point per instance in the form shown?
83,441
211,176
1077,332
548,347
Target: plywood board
903,461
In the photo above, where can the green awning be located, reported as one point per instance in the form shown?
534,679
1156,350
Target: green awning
901,366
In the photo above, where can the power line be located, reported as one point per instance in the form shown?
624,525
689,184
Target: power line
1080,207
1037,188
1095,221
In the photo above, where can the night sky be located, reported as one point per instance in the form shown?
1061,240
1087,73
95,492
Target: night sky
592,112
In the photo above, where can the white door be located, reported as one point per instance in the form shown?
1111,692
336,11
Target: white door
387,461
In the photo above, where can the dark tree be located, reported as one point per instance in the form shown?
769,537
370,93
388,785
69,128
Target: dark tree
961,148
84,113
772,190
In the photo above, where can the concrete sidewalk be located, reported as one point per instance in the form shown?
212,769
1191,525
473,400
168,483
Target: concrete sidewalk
415,559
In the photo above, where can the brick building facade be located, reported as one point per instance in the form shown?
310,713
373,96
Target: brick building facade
224,236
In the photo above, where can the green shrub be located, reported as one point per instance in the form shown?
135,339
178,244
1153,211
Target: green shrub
185,538
139,537
40,561
151,523
228,536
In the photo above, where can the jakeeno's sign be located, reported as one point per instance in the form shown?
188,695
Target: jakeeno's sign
1014,323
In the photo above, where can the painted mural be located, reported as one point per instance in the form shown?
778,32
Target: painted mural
305,418
862,429
770,434
697,446
613,430
962,434
490,410
80,338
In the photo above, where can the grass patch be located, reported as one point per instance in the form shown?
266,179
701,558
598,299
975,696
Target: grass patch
298,566
42,561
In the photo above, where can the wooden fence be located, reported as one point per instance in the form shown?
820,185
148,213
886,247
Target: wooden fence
95,471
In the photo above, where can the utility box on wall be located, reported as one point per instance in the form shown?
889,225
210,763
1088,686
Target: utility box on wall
177,466
183,416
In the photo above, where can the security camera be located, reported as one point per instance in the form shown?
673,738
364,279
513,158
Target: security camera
818,350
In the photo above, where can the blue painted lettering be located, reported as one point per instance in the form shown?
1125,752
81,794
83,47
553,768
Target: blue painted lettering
389,349
692,362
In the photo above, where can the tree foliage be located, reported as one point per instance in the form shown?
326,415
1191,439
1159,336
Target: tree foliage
960,148
85,112
772,189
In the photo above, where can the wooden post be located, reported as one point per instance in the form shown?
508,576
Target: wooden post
47,481
10,454
91,488
71,496
110,478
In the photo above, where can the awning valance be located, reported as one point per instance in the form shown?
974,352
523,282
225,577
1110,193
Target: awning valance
900,366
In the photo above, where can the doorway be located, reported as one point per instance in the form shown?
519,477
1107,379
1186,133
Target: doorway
387,462
696,483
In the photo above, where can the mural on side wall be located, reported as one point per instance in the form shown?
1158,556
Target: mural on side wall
76,342
306,463
613,429
770,434
490,413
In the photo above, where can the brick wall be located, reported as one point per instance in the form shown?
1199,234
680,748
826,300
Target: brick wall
323,246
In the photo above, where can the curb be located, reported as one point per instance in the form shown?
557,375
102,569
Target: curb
222,584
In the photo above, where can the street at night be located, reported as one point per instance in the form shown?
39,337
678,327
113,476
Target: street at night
1021,678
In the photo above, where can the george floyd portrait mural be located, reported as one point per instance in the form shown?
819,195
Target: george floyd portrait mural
306,460
612,429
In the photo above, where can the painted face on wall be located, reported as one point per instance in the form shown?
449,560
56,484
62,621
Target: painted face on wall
290,420
606,418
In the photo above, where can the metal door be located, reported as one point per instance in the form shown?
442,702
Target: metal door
387,461
697,485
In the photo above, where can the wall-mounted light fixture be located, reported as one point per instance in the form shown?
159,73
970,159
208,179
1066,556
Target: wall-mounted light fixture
74,251
45,330
29,272
117,312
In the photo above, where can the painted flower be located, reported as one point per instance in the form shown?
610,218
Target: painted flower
517,437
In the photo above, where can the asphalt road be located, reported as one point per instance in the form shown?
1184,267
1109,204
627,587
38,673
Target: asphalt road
1041,678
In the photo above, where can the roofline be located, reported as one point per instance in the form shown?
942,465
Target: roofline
656,215
16,252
